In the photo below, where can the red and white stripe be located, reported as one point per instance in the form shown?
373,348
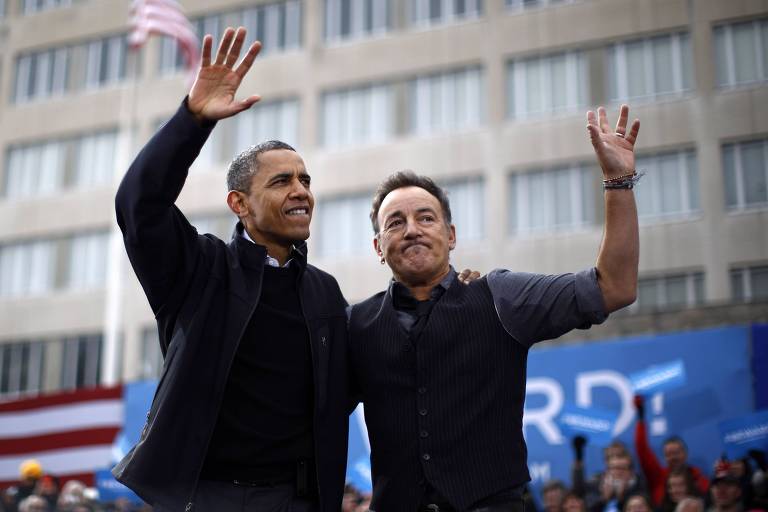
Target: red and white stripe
164,17
71,434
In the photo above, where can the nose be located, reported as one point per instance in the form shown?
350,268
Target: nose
412,228
298,189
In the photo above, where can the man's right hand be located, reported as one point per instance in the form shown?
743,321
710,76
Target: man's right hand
212,96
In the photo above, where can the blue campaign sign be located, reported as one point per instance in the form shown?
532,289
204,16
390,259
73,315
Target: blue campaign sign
137,397
717,387
593,423
111,490
659,377
749,432
358,455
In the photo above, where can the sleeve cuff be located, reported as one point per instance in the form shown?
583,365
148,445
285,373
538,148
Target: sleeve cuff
589,297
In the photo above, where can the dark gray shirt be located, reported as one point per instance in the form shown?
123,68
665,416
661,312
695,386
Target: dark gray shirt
531,307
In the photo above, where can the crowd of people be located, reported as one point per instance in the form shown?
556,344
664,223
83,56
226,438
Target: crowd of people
629,481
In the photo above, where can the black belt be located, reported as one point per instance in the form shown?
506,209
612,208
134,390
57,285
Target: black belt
303,477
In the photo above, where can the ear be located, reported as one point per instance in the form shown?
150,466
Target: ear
236,203
377,246
451,237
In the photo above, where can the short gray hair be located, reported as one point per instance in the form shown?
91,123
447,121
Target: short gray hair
242,168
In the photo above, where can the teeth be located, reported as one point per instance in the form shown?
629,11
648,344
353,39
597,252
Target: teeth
298,211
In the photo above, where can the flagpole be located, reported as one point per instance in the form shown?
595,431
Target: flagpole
113,305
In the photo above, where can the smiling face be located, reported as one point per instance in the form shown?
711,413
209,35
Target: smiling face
277,209
413,237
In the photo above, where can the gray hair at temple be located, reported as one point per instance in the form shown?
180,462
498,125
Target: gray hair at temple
242,168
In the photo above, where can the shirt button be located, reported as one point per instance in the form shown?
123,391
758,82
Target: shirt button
422,390
423,412
426,456
424,433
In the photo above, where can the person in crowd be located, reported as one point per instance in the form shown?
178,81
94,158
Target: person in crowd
34,503
680,485
617,484
572,502
47,487
441,368
675,456
759,479
251,409
72,493
725,491
578,475
30,471
552,495
690,505
637,503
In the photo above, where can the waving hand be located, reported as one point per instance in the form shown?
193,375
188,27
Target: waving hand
213,94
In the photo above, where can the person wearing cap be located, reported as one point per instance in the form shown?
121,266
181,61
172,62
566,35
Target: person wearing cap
30,471
725,490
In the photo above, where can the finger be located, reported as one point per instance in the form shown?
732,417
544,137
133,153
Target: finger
592,118
633,131
474,275
244,66
226,42
604,127
464,275
238,106
234,52
621,124
207,44
594,134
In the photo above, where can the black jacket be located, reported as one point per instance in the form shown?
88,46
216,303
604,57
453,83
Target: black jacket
203,293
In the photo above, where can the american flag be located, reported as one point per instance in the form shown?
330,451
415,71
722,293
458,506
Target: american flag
164,17
71,434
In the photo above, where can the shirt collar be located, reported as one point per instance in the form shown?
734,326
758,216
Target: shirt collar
269,260
401,292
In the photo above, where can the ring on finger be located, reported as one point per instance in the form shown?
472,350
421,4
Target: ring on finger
619,134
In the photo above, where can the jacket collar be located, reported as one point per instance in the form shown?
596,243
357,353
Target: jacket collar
253,255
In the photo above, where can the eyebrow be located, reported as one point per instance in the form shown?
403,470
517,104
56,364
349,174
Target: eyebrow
284,175
399,213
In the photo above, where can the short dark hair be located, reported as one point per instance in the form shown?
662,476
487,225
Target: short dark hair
408,178
676,439
242,168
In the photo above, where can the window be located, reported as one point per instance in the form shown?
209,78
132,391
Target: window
549,84
21,368
268,121
653,67
88,255
42,74
436,12
151,355
32,6
741,52
356,116
749,283
2,9
42,168
38,267
670,187
446,102
675,291
356,19
560,199
219,225
745,169
533,4
27,268
81,361
467,201
344,226
105,61
171,58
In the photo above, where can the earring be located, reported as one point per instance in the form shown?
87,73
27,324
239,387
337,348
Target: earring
382,260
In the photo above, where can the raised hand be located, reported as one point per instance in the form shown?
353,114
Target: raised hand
212,96
615,149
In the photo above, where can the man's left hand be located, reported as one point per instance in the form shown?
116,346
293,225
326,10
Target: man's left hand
615,149
467,276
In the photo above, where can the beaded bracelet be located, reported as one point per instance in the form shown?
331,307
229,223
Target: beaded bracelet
628,181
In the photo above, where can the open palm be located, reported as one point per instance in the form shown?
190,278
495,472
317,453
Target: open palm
615,149
212,96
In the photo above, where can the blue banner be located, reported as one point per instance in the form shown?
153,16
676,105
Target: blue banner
718,387
592,423
749,432
659,377
111,490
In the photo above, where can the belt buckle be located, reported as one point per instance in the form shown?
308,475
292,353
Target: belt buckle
432,507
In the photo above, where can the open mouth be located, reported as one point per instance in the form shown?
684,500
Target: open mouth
298,211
